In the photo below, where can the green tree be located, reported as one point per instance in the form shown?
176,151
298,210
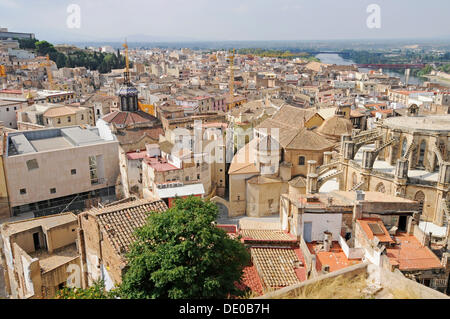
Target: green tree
44,47
61,60
425,71
96,291
182,254
27,43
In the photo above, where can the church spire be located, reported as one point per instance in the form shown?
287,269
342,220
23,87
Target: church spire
127,65
128,94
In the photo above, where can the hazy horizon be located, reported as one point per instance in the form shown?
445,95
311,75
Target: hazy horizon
211,21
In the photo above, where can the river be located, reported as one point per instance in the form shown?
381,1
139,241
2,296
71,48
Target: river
333,58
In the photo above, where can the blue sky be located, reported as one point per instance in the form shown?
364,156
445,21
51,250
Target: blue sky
228,20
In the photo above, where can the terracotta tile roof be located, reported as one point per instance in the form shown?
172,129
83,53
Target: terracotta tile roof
291,116
356,113
259,180
243,160
61,111
336,126
129,118
230,229
120,221
136,155
384,237
335,258
308,140
134,135
266,235
277,266
161,166
251,280
411,255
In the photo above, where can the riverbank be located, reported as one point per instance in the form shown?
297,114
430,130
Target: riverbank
438,80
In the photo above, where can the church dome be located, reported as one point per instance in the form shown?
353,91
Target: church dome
127,91
336,126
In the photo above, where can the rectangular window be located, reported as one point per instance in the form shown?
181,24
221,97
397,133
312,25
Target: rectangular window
23,191
32,164
301,160
198,176
69,119
52,190
93,170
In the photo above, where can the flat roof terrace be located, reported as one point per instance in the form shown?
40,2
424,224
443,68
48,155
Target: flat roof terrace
27,142
384,167
48,144
430,123
49,261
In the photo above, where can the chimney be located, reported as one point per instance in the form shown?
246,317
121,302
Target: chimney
360,195
429,243
327,241
325,269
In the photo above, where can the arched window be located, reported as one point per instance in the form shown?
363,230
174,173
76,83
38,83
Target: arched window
301,160
420,197
436,163
380,188
422,149
404,146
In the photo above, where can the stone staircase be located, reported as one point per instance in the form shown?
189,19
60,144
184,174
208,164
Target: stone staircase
357,186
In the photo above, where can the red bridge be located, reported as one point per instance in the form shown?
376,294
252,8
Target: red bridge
392,66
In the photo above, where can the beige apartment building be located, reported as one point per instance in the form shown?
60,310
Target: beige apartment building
46,170
39,116
38,255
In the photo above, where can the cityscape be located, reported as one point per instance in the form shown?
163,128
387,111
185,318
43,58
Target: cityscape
224,151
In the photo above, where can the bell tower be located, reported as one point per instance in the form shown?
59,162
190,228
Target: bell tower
128,94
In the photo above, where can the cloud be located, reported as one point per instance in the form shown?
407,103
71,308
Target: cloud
241,9
11,4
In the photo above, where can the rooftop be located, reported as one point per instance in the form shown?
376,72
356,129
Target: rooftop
49,261
279,267
374,227
266,235
46,222
410,255
180,191
431,123
51,139
384,167
335,258
120,221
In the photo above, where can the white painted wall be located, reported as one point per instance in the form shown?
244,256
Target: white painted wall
322,223
104,130
109,283
351,253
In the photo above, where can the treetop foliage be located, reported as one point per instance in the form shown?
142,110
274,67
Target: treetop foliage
103,62
182,254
